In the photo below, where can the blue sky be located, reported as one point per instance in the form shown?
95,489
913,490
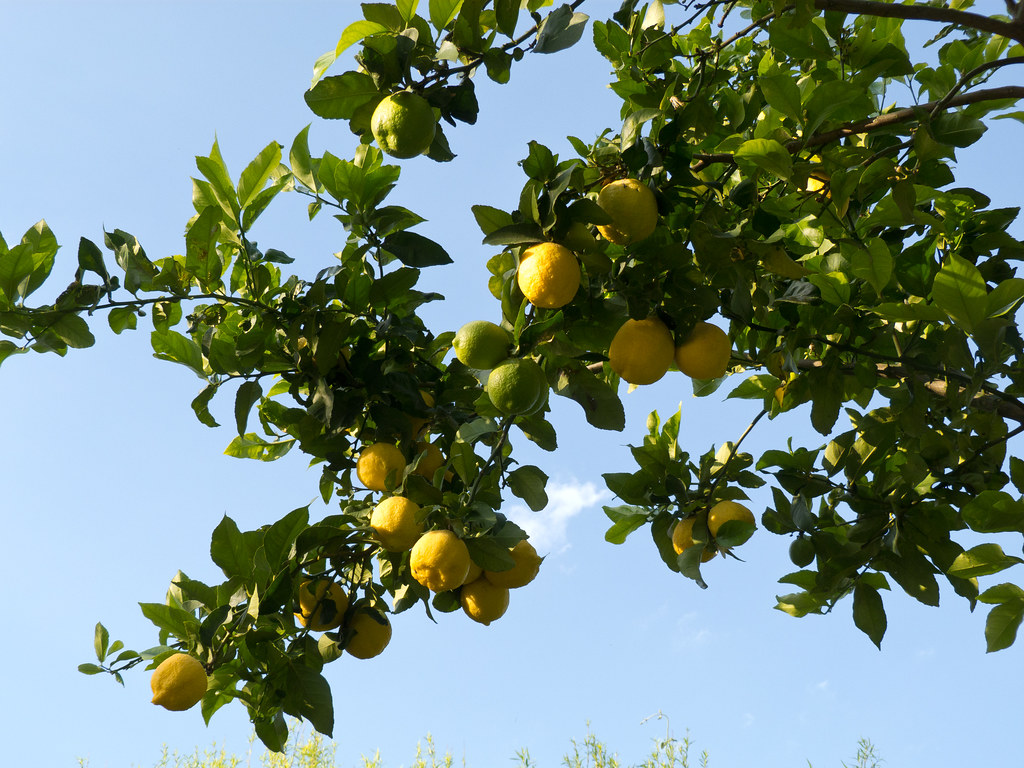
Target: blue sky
112,485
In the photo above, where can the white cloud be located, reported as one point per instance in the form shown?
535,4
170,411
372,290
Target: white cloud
547,528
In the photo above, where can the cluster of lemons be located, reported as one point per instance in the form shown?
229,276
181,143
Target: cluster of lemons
721,513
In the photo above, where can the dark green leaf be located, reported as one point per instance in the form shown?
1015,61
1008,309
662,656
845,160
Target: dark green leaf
230,550
415,250
248,393
560,30
308,695
599,401
201,256
338,97
1002,624
525,233
959,289
173,346
201,405
982,560
273,732
489,554
528,482
957,129
869,613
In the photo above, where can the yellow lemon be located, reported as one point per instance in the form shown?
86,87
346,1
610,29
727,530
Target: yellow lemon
439,561
394,523
525,570
641,351
517,386
322,604
633,209
371,633
481,344
178,682
416,423
403,124
548,275
704,353
379,464
475,572
725,511
682,539
431,460
483,601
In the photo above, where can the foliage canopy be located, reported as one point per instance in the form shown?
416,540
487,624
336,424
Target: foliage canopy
802,157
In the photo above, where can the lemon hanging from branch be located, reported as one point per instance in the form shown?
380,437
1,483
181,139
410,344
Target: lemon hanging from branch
403,125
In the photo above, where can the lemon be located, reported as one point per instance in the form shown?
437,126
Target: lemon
580,239
178,682
801,551
704,353
439,561
633,209
517,386
641,351
527,565
371,633
483,601
416,423
726,511
403,124
379,464
682,539
431,460
475,572
548,275
481,344
322,604
394,523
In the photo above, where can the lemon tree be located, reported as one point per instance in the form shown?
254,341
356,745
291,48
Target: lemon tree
879,308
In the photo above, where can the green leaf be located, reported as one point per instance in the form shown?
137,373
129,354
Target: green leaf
72,330
869,613
201,256
90,669
301,162
201,405
308,695
273,732
489,554
507,14
255,175
524,233
120,318
26,266
219,180
490,219
339,96
625,520
959,289
528,482
252,446
783,94
982,560
442,12
231,551
957,129
560,30
101,639
248,393
1002,624
355,32
994,512
767,154
600,403
1005,297
415,250
873,265
173,346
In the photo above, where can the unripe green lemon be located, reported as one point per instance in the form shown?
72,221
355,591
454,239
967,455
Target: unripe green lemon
517,386
403,124
801,551
481,344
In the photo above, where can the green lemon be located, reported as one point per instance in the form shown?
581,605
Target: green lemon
403,124
517,386
481,344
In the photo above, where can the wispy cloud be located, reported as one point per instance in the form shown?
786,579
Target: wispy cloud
548,527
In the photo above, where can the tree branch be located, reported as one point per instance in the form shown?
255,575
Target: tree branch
904,115
1013,30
